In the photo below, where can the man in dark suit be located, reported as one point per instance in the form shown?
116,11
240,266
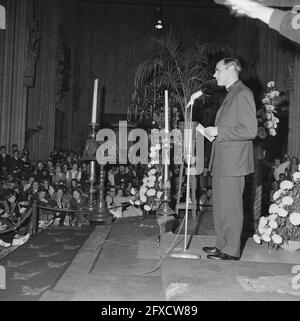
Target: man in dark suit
231,159
4,161
15,165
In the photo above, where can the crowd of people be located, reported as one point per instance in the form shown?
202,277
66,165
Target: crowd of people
61,182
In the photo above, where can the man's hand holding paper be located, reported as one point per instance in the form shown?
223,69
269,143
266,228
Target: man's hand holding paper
207,132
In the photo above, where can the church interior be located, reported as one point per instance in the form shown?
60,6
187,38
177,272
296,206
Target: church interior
84,214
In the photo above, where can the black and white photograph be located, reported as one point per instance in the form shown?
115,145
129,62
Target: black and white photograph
149,154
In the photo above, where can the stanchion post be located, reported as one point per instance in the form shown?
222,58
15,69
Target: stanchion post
34,219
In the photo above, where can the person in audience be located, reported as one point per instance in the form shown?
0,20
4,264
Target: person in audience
15,165
14,212
44,200
59,176
73,173
119,201
123,186
4,162
292,168
84,173
77,203
110,197
74,184
49,188
121,175
14,147
128,189
39,172
65,168
280,167
111,176
11,237
33,192
26,165
59,201
50,168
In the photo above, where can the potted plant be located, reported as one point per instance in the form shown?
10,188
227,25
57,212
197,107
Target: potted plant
181,70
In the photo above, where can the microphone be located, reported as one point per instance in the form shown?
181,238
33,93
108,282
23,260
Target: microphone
194,96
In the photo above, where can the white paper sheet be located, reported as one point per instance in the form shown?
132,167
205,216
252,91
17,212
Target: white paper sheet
200,128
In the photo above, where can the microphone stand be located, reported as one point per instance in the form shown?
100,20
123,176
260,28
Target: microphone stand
188,130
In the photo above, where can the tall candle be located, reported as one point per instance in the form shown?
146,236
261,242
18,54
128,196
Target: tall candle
166,112
94,112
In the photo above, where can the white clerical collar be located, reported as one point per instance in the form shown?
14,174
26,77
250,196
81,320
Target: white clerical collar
230,84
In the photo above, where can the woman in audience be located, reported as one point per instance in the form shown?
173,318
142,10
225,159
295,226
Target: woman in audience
33,192
73,173
119,201
74,184
58,176
77,203
28,184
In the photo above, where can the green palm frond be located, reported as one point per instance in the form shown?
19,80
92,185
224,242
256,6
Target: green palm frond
182,70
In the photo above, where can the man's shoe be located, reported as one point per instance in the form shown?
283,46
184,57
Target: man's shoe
222,256
211,250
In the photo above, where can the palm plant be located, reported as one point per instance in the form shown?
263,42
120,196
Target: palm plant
181,70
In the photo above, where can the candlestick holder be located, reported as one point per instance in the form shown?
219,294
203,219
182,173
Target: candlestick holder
165,214
97,206
93,168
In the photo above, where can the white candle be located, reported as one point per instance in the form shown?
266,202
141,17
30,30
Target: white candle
94,112
166,112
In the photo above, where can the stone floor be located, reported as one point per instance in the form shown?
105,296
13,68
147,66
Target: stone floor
124,262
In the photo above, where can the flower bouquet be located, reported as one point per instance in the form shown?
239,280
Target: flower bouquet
283,223
150,193
266,115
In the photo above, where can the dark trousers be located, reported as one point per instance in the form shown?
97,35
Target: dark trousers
227,194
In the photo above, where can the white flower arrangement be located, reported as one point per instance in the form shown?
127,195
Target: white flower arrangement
266,115
150,193
283,223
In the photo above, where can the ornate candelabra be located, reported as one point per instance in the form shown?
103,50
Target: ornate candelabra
99,212
165,214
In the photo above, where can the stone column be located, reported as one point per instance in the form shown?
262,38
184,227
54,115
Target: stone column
41,99
13,100
294,111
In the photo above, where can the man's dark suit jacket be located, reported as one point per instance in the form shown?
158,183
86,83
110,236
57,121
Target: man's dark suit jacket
4,162
232,150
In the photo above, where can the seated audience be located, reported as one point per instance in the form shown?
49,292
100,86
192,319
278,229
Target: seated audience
77,203
59,201
280,167
59,176
73,173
